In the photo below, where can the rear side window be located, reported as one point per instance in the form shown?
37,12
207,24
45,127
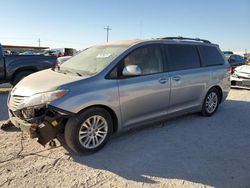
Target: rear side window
183,57
211,56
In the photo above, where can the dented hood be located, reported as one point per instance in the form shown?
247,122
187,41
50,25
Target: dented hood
43,81
243,69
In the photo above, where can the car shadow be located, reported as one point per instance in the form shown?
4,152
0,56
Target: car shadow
214,151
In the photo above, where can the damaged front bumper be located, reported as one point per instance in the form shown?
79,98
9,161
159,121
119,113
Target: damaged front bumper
240,81
42,122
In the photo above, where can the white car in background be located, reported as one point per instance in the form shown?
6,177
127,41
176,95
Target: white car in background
61,60
241,76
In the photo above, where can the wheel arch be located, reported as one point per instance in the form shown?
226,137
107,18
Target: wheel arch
23,69
110,111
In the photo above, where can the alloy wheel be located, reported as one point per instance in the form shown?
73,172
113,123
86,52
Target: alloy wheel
211,102
93,132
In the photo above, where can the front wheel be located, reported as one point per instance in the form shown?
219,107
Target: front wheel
88,131
211,102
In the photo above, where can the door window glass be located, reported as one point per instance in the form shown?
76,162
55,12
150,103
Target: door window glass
211,56
149,59
183,57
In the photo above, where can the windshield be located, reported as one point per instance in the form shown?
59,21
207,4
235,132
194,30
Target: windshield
92,60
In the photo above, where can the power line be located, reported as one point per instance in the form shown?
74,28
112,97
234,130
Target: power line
108,29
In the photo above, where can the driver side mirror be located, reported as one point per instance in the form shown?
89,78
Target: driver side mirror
132,70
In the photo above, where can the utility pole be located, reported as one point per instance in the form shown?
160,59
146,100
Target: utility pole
39,42
108,29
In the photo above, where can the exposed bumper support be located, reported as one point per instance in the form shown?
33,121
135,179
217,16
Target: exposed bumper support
45,127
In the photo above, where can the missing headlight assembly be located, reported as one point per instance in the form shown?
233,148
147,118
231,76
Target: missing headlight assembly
33,114
40,121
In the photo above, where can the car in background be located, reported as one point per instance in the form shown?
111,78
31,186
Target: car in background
6,52
236,60
27,53
61,60
13,68
241,76
60,52
228,53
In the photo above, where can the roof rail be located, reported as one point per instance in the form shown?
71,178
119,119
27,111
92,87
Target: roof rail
184,38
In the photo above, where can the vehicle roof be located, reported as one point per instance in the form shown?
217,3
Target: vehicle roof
161,40
123,43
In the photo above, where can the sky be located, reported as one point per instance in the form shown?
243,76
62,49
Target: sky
80,23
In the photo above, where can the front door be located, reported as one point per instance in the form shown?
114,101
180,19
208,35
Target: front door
144,97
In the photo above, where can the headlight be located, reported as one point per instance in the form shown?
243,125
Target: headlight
235,74
42,98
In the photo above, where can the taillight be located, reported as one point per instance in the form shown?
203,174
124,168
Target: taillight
230,70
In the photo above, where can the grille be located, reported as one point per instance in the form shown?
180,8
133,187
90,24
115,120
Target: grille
15,101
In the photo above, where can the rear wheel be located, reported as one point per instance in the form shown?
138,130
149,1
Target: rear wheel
88,131
211,102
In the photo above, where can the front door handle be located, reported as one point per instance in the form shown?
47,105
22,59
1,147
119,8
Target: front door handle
163,80
176,78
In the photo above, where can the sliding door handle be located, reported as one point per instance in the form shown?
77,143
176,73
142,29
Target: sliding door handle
176,78
163,80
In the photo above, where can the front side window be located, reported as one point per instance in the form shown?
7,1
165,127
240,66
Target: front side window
148,59
183,57
93,60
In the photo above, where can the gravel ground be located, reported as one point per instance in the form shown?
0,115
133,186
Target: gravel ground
190,151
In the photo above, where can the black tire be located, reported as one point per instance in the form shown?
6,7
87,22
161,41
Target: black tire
19,76
205,111
74,124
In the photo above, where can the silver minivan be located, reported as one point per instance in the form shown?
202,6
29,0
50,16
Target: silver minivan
117,86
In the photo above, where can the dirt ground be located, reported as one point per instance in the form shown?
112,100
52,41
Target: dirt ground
190,151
